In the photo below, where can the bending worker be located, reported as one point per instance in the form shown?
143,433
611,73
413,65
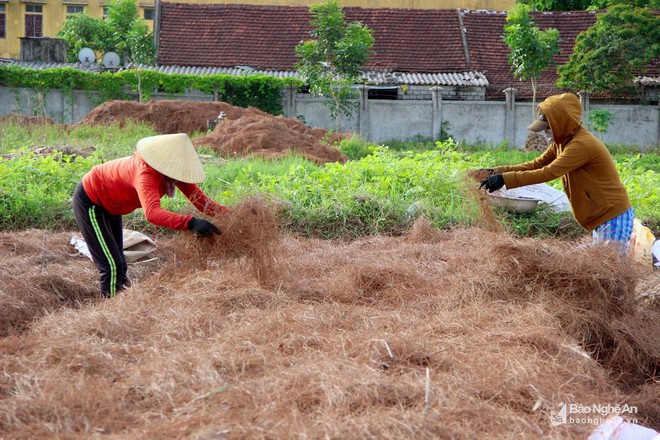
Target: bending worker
599,201
159,166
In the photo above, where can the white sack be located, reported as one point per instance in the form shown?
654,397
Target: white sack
136,245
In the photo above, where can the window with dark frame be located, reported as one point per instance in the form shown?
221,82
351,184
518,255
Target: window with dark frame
105,12
71,10
3,21
34,21
148,14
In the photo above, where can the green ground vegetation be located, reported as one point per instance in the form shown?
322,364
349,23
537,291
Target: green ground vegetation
380,190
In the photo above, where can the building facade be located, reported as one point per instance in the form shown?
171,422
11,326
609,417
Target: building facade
490,5
44,18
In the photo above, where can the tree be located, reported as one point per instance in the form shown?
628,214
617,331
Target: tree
81,30
532,50
330,63
556,5
580,5
123,32
608,55
131,35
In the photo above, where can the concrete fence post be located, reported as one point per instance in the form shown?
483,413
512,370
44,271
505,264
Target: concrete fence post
436,112
289,103
657,132
363,112
510,116
584,100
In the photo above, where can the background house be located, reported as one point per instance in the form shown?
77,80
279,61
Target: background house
20,19
434,71
44,18
461,50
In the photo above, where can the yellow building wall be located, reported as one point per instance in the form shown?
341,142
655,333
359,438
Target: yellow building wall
54,14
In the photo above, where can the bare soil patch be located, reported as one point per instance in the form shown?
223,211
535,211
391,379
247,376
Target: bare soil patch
436,334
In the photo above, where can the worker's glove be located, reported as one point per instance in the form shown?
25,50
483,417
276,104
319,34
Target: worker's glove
203,227
492,183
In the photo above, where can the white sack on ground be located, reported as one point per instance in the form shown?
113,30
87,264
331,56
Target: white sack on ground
136,246
617,428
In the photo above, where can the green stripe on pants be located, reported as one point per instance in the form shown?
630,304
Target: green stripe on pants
106,251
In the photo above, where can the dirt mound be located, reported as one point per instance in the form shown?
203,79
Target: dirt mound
166,116
536,142
258,133
21,119
436,334
240,131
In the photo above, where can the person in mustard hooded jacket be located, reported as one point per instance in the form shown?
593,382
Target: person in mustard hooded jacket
598,198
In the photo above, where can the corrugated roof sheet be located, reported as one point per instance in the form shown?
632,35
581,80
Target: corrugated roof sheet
40,65
460,79
648,81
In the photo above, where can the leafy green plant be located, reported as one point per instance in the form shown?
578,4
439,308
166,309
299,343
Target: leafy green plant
260,91
36,189
600,121
532,50
371,194
444,135
121,31
331,60
355,148
608,55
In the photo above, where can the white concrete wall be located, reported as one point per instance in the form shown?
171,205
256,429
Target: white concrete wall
475,122
472,122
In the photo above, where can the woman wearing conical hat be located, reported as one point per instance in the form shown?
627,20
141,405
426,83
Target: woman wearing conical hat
159,166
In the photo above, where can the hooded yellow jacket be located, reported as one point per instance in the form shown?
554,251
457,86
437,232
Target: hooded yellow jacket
586,168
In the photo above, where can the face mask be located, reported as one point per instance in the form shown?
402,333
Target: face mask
548,134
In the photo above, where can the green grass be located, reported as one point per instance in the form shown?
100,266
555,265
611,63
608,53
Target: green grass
112,140
373,193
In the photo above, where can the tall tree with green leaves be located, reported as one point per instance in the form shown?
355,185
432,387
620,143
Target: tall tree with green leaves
122,32
82,30
608,55
330,62
581,5
532,50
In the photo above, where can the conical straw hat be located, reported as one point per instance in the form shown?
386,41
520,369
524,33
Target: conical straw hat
172,155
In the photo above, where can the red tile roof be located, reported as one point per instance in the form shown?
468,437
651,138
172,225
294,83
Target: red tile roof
406,40
264,37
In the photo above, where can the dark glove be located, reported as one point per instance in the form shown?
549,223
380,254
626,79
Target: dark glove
492,183
203,227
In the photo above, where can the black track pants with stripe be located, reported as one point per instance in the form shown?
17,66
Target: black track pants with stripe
103,234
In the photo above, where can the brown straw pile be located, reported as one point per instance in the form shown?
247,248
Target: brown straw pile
437,334
249,233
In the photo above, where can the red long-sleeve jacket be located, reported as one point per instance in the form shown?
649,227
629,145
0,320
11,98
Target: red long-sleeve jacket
123,185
